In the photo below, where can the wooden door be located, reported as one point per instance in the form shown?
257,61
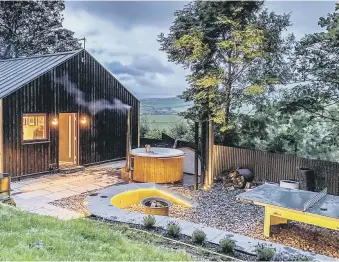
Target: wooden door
67,138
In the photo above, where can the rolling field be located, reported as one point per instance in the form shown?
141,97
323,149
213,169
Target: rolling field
162,121
171,105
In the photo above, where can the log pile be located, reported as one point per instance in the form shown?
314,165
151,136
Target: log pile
239,178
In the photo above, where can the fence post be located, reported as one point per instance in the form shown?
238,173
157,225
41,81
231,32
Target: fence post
203,154
210,149
196,155
208,143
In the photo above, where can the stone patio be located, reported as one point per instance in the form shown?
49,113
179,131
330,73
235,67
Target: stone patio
34,195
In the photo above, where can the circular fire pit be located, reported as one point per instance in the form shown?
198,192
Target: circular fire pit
156,206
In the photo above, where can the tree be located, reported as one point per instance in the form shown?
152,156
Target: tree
234,51
33,27
181,130
301,134
316,88
144,126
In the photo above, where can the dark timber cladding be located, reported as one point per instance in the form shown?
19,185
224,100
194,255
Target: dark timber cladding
63,89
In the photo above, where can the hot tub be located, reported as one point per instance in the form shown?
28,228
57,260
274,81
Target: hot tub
162,165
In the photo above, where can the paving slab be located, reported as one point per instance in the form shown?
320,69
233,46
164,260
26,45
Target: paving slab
33,194
65,214
59,195
34,187
30,204
103,183
16,185
211,233
43,211
58,188
83,182
84,188
50,207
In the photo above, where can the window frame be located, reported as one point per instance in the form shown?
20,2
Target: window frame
46,128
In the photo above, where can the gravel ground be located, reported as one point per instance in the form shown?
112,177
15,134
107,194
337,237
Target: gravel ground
304,237
218,208
75,203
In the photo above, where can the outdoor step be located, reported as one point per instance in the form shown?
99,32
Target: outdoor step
71,169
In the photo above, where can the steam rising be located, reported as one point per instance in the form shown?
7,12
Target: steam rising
93,106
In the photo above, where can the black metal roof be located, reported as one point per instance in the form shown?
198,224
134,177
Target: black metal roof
14,73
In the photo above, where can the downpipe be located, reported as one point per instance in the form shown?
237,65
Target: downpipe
128,141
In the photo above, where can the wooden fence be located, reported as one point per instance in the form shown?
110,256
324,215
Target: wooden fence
274,167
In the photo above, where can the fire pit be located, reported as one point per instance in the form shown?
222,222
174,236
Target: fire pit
156,206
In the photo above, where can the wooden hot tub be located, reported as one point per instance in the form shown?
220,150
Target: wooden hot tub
163,165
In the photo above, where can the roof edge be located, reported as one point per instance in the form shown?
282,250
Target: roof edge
36,56
74,53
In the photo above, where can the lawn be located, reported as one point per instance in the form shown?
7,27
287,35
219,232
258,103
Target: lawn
26,236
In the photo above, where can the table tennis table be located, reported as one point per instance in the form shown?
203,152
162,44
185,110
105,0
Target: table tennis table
283,204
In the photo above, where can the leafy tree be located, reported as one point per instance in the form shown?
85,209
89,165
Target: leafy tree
235,53
181,130
154,133
301,133
33,27
144,126
316,89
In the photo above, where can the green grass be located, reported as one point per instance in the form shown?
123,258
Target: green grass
162,121
79,239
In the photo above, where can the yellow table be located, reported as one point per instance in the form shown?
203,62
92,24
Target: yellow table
283,204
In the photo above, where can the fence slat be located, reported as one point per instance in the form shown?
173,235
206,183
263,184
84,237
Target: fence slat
274,167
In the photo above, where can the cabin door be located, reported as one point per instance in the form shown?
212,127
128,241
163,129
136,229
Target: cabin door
67,139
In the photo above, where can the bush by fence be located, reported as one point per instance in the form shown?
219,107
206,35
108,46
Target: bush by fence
274,167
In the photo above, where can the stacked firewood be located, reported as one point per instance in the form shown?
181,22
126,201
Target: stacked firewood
237,178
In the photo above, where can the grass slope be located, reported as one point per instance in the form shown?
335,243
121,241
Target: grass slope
69,240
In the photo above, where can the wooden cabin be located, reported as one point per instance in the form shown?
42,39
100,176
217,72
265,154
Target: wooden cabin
62,109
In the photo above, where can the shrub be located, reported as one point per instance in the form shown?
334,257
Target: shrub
198,237
227,245
149,221
264,253
173,229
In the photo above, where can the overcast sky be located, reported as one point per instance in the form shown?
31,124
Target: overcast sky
123,37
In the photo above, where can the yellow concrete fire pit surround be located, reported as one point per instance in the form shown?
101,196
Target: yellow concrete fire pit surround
108,203
135,196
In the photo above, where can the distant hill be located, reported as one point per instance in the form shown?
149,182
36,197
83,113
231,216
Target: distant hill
163,106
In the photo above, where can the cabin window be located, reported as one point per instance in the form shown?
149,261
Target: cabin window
34,127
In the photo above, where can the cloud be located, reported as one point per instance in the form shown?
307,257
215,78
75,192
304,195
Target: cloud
151,64
119,69
304,14
140,66
132,55
123,37
128,14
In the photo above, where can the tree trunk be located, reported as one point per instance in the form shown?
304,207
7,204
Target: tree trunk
6,54
226,140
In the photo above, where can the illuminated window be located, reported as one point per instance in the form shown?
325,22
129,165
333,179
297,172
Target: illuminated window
34,127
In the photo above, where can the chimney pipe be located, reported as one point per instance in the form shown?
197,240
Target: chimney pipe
128,140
